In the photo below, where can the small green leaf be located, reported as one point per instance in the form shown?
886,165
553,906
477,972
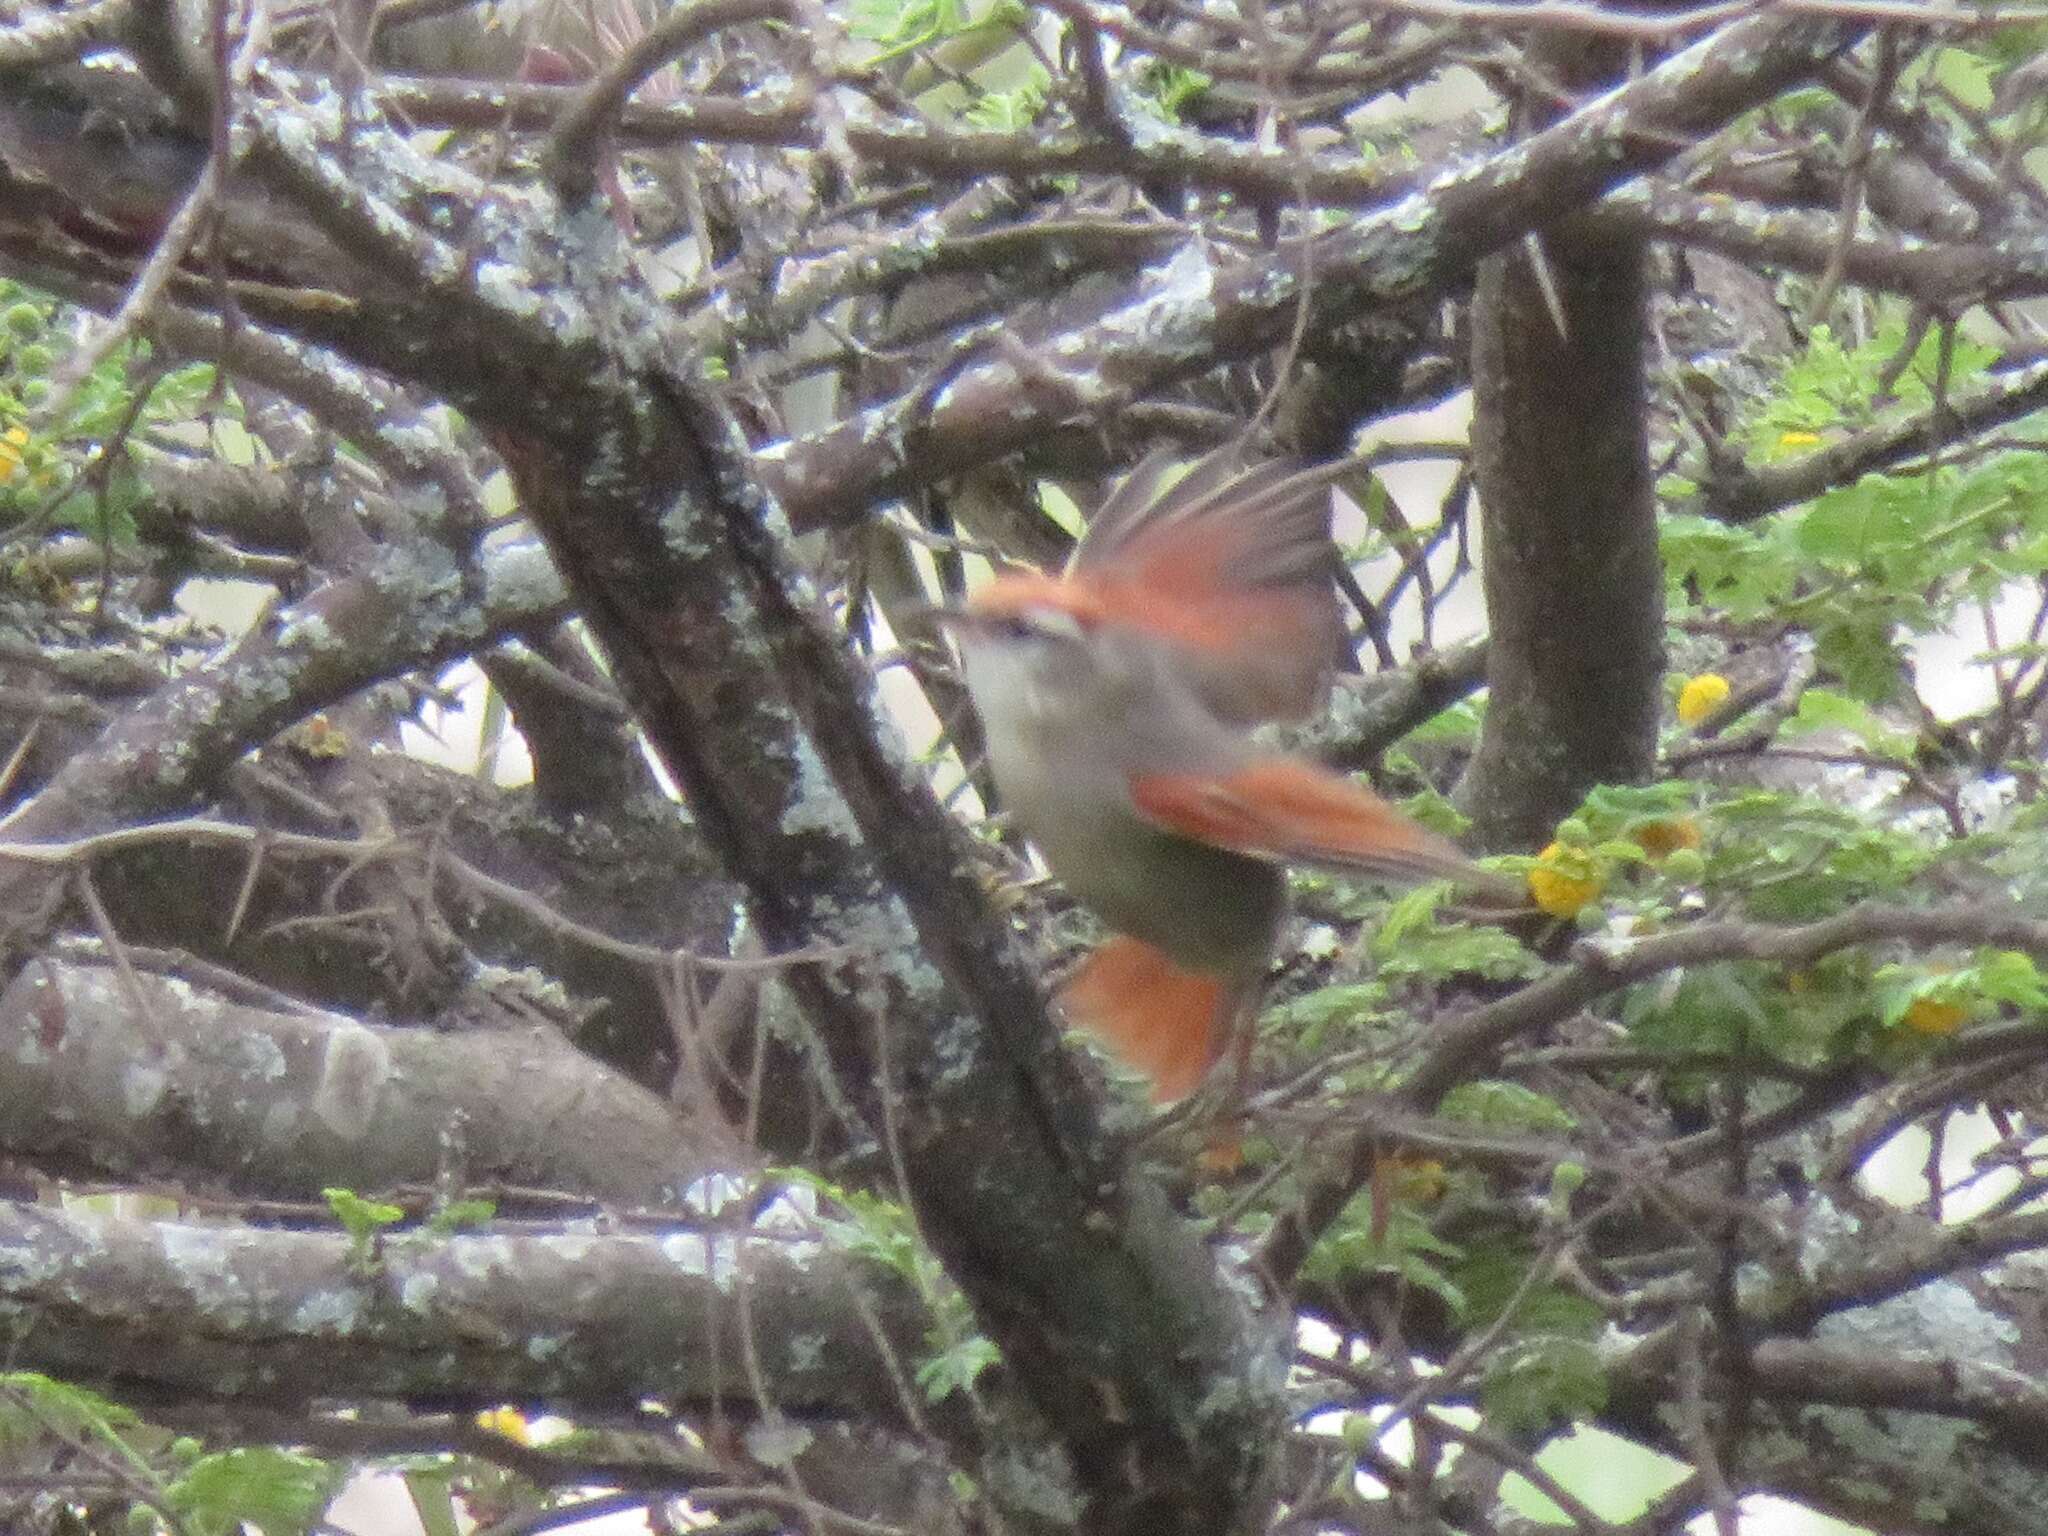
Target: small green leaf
32,1404
1442,950
1407,1248
364,1221
461,1216
360,1218
2007,976
1566,1180
1965,76
1505,1105
1536,1382
1825,709
957,1368
281,1493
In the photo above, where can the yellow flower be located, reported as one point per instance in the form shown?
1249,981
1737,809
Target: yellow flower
1701,696
1666,835
1931,1016
13,448
1564,880
1798,439
509,1422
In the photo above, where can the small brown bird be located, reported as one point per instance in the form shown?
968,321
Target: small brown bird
1118,700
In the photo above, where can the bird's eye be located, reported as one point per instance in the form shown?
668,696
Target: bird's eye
1057,624
1038,626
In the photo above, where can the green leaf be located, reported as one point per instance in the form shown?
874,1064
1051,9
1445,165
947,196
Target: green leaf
32,1404
1408,946
1506,1105
1566,1180
1533,1383
361,1219
1865,655
892,21
1966,77
1437,812
1014,109
1742,570
955,1369
461,1216
1851,524
2007,976
1167,89
1547,1368
1609,810
432,1490
1455,726
1407,1248
1412,912
1333,1016
885,1233
364,1221
1825,709
1797,859
281,1493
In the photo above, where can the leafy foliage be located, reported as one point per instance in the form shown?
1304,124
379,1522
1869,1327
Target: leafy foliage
1400,1241
72,473
1413,942
279,1492
882,1231
1871,563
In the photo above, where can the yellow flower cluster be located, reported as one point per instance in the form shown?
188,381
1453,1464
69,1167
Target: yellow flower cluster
1565,880
13,451
509,1422
1931,1016
1701,696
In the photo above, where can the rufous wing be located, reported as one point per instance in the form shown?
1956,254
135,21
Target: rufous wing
1235,570
1294,812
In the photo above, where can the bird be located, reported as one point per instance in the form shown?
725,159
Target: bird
1118,700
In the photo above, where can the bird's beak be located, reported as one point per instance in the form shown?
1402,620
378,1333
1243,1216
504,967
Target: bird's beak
944,627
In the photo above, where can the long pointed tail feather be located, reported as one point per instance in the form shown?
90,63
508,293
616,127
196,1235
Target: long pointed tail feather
1168,1023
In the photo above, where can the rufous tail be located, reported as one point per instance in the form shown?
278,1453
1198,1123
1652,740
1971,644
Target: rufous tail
1168,1023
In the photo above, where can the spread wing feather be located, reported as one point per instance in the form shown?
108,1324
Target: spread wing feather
1233,568
1293,812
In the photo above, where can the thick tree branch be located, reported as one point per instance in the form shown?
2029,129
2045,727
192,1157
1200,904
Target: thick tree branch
372,624
1196,312
183,1311
285,1105
1750,494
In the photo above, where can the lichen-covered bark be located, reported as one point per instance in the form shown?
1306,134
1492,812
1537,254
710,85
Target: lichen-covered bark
1920,1412
1080,1273
284,1105
469,1321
